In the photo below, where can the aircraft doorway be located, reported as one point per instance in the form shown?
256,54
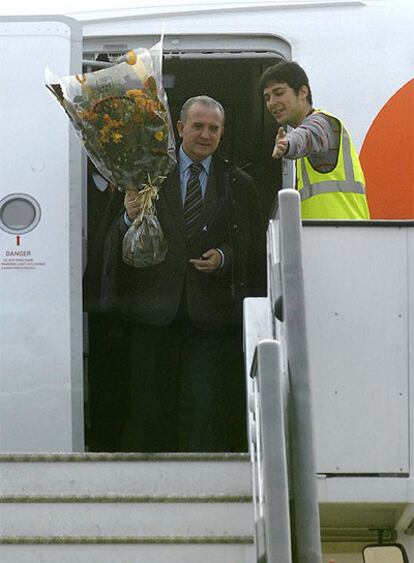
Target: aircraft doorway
232,79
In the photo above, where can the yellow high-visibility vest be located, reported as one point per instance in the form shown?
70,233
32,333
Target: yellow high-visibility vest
338,194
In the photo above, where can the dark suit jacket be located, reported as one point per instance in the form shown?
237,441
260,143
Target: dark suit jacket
230,220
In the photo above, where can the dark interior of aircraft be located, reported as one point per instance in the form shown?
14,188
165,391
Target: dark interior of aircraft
249,131
248,142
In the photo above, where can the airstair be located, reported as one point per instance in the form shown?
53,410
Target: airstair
330,356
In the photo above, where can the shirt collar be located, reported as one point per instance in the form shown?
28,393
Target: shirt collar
186,161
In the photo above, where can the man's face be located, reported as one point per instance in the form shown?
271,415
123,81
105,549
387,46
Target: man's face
287,106
201,132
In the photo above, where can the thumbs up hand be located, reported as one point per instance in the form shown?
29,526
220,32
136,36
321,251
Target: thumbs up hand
281,144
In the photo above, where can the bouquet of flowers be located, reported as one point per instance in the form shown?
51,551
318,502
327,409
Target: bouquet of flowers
121,115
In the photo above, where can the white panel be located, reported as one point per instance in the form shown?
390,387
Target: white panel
356,283
410,252
38,364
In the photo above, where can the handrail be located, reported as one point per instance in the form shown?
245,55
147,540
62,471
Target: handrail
269,458
281,389
302,443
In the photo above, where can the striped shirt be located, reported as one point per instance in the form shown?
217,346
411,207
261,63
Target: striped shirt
317,138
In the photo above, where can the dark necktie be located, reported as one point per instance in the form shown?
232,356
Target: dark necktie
193,199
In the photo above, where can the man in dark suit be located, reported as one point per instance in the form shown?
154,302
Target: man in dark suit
185,314
107,341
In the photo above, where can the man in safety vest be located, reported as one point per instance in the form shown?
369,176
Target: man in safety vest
329,176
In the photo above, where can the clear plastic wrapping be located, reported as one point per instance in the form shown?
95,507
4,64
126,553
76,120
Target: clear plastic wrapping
121,115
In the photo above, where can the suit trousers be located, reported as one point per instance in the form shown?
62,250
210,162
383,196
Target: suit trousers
108,380
187,390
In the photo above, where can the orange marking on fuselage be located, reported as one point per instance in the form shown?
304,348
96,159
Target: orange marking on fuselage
387,158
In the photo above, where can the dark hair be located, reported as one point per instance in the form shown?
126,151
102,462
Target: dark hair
205,101
286,72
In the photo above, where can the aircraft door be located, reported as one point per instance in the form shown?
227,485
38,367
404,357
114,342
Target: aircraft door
41,379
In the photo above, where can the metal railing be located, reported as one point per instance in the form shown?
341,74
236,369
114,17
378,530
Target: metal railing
280,407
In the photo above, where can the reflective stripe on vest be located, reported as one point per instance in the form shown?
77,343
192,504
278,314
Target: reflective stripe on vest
338,194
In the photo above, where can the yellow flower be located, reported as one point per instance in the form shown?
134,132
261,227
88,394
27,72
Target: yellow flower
135,92
159,135
104,134
116,137
131,58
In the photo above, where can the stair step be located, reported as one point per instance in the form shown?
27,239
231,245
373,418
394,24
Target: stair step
108,498
119,474
86,552
102,519
125,540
